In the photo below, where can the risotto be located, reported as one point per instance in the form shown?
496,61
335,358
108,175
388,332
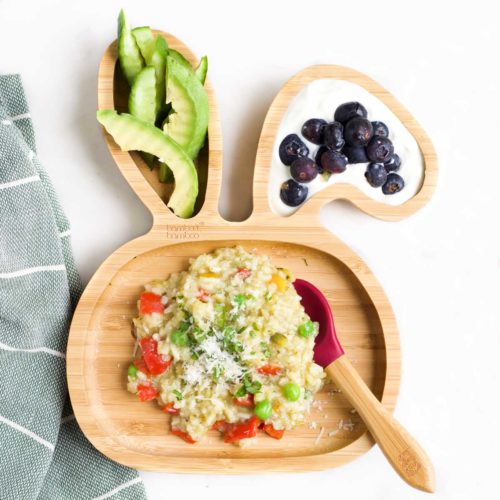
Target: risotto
226,345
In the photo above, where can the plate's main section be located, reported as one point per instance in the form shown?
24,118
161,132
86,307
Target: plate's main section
137,433
100,343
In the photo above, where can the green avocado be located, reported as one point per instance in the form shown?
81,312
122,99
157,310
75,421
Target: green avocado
188,122
142,102
130,57
175,54
159,62
142,98
201,69
145,41
132,134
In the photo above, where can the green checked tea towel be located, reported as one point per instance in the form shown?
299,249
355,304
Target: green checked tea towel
43,453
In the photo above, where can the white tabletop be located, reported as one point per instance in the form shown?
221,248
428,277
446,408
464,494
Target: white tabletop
440,268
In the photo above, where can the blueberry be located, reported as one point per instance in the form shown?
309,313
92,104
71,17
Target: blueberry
380,129
393,184
317,158
349,110
376,174
292,193
291,148
333,161
393,164
358,132
355,154
303,170
334,136
380,149
313,129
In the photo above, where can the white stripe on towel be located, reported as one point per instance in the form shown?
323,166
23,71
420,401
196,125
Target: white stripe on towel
65,233
20,117
119,488
28,433
47,350
19,182
31,270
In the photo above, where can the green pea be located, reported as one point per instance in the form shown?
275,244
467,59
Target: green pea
291,391
179,338
263,409
240,299
306,329
132,371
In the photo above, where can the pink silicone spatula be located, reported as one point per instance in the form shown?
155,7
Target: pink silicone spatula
405,455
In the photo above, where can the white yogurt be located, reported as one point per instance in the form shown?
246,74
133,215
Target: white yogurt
319,99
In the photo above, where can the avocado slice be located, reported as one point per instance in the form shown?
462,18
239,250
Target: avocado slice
130,57
142,98
187,124
145,41
132,134
201,70
142,102
159,63
175,54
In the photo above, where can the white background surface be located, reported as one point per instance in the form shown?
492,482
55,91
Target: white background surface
440,268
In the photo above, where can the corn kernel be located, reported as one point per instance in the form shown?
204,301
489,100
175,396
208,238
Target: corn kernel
280,282
209,275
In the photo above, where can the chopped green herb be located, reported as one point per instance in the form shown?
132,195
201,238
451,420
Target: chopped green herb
253,334
240,392
240,299
216,372
251,386
178,395
254,387
197,336
255,327
184,326
266,351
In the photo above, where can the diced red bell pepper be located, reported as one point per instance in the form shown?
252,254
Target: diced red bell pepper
146,392
245,401
155,362
182,435
202,295
269,369
169,408
274,433
243,272
150,303
243,430
140,364
220,425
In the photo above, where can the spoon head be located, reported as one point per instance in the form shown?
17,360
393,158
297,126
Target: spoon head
327,347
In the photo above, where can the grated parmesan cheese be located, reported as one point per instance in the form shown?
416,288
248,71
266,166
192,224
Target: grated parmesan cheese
320,435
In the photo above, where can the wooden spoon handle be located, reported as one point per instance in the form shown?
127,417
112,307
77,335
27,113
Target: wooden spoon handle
405,455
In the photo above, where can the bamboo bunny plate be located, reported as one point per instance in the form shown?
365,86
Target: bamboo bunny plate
100,343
